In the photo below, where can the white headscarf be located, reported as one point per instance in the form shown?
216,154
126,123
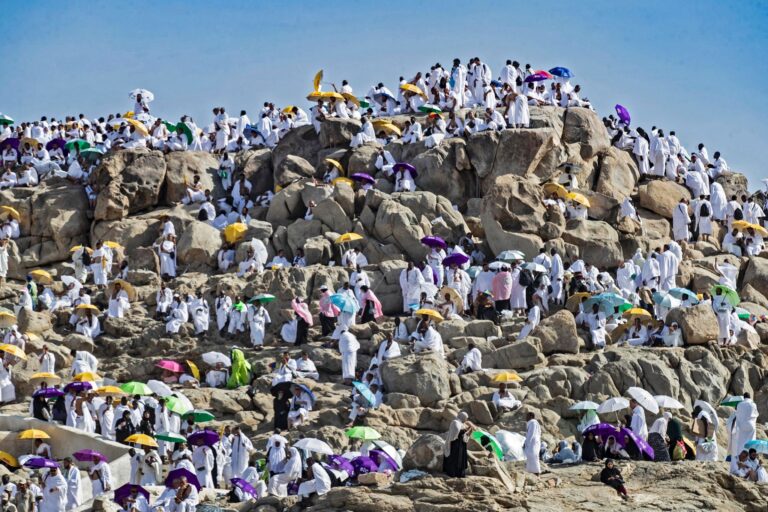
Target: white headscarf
457,425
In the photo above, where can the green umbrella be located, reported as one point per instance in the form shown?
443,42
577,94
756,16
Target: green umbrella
186,130
171,127
199,416
174,404
364,104
4,119
170,437
263,298
732,401
79,143
364,433
743,314
485,440
136,388
428,108
730,295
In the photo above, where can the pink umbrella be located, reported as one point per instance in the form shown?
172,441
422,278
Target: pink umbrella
171,366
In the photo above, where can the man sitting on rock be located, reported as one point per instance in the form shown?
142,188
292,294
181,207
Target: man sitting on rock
504,400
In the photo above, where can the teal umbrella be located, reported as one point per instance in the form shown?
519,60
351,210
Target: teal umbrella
730,295
199,416
186,130
77,143
682,293
5,120
170,437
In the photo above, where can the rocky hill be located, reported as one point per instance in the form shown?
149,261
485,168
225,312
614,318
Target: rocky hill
490,185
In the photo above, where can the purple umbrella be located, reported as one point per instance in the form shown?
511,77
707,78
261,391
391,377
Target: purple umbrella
12,142
623,114
124,491
381,457
40,463
361,176
77,387
207,437
341,463
88,455
363,465
641,443
55,143
402,166
48,393
178,473
536,77
245,487
434,241
455,259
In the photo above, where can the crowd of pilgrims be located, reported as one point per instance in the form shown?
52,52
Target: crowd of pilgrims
458,279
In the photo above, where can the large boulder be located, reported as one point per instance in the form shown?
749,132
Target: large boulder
287,205
197,246
256,164
423,375
426,454
59,220
618,174
444,220
557,333
397,224
183,166
583,127
330,213
336,132
698,323
302,141
519,355
128,182
597,240
662,196
441,171
291,169
513,206
734,184
756,275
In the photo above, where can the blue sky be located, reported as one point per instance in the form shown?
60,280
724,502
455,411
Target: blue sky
670,63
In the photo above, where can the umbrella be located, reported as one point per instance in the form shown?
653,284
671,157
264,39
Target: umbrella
9,459
364,465
170,437
44,376
667,402
205,437
316,81
145,95
71,281
40,463
199,416
5,120
85,307
641,443
77,143
178,404
88,455
33,433
712,413
730,295
510,256
623,114
136,388
86,376
264,298
336,164
348,237
184,128
13,143
613,405
12,212
732,401
141,439
214,358
584,405
534,267
341,463
682,293
644,398
58,143
124,285
429,108
78,387
112,245
110,390
306,390
235,232
244,486
430,313
33,143
48,393
181,472
365,391
579,198
434,241
311,444
485,440
640,313
414,89
512,444
7,319
364,433
124,491
760,445
389,128
194,369
326,95
380,457
344,303
92,153
351,98
171,366
453,296
41,276
742,225
557,189
561,72
343,181
538,77
363,177
159,388
507,377
456,258
13,350
402,166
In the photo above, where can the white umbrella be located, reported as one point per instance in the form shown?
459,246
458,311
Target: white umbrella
351,455
577,266
534,267
161,389
667,402
311,444
586,405
145,95
214,358
510,256
614,404
70,280
430,289
389,450
710,410
498,265
644,398
512,444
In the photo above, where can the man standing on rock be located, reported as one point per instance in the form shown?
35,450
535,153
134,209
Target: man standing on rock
746,421
411,281
680,221
532,444
348,346
241,450
638,425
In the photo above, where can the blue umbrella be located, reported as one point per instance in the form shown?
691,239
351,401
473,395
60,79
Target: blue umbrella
365,391
561,72
682,293
607,302
344,303
665,300
760,445
307,391
455,259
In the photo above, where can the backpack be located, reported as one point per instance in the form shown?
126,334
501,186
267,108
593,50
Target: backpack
526,278
704,210
86,259
738,214
680,451
202,215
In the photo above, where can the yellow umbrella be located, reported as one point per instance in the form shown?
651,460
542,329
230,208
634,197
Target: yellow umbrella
128,115
345,181
112,245
9,459
453,296
41,276
430,313
578,198
314,96
125,285
288,109
555,188
574,300
45,376
110,390
7,319
388,128
86,377
195,370
740,224
139,126
414,89
351,98
33,433
327,95
235,232
141,439
336,164
743,225
640,313
7,210
13,350
318,78
29,140
348,237
84,307
78,247
507,377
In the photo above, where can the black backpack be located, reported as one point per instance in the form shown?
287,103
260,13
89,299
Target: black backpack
202,215
86,259
704,210
526,278
738,214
